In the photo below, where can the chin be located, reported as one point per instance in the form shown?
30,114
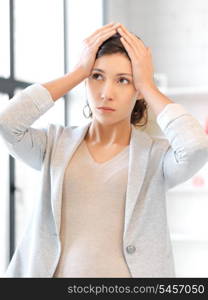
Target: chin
109,121
104,121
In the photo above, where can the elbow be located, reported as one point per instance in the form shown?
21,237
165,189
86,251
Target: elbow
3,127
6,133
194,156
199,155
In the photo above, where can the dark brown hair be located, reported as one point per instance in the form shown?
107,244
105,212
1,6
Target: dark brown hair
139,116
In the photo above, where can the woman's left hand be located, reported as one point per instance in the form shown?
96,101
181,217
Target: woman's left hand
141,59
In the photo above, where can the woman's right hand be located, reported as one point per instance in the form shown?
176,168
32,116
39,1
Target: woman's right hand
90,46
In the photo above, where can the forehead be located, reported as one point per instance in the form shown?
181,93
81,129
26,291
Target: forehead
114,63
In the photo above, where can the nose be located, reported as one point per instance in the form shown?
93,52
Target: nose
107,90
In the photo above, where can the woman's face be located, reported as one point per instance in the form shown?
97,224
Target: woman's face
111,85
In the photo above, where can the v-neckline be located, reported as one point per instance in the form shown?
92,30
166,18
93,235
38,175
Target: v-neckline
105,162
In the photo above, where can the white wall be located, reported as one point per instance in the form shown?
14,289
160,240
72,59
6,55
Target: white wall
175,30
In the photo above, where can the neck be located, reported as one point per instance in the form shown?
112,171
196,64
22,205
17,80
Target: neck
112,134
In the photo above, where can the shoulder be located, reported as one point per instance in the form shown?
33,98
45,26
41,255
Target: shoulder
156,141
57,130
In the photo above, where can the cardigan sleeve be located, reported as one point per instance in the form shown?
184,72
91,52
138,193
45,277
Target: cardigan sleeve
23,141
188,150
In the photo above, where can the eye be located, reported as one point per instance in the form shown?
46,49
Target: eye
96,75
124,79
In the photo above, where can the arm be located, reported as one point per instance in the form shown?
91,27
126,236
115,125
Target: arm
142,67
188,150
82,69
59,87
27,143
24,142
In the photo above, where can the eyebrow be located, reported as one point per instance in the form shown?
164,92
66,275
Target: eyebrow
100,70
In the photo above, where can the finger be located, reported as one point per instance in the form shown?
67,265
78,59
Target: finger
103,35
134,43
128,39
149,51
92,39
99,39
127,47
105,28
124,32
131,36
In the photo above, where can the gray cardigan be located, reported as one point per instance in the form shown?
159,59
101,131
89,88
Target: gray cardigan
155,165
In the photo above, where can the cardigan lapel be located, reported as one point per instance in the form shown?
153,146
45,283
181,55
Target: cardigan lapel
140,144
66,148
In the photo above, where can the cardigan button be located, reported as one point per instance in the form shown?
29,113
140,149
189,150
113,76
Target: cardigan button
130,249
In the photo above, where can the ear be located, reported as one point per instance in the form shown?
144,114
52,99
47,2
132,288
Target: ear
139,95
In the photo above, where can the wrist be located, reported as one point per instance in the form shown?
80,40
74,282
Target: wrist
148,87
79,73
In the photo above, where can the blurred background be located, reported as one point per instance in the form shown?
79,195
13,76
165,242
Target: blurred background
40,41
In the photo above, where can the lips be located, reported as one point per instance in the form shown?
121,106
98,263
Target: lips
106,108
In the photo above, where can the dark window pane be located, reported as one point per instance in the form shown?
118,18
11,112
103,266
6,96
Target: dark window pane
4,196
4,39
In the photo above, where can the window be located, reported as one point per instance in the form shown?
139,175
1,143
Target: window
4,191
35,54
40,40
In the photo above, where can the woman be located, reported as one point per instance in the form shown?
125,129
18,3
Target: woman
102,210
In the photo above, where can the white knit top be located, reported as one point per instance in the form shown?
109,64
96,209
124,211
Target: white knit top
92,220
